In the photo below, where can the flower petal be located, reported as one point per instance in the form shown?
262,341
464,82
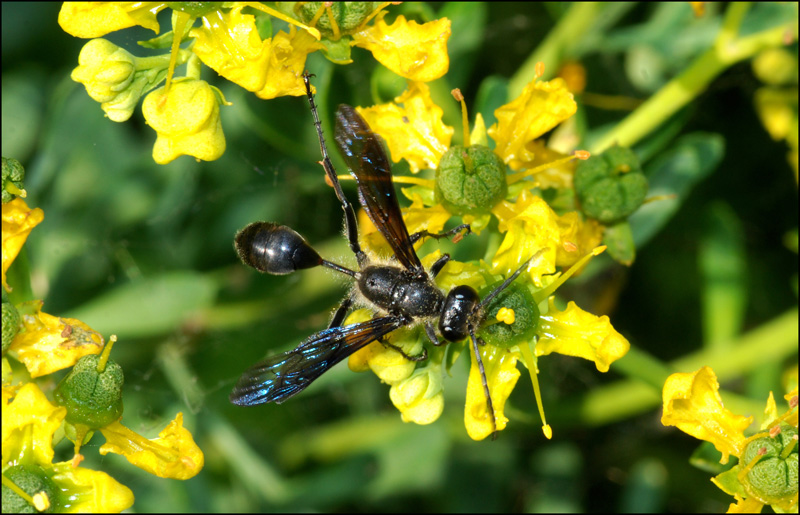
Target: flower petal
51,343
230,44
18,221
413,132
693,405
541,106
174,454
530,226
575,332
90,491
501,376
29,423
414,51
578,238
186,120
419,398
95,19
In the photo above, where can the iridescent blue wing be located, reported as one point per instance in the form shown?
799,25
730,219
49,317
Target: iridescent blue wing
367,161
279,377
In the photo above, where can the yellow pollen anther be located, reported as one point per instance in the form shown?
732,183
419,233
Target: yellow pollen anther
506,315
539,70
41,501
583,155
464,117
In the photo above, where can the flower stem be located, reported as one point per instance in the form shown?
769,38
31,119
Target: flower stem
694,80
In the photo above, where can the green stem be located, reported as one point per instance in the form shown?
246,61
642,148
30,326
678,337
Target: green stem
571,27
771,342
694,80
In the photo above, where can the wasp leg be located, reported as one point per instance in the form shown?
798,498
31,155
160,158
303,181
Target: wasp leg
349,214
341,312
425,234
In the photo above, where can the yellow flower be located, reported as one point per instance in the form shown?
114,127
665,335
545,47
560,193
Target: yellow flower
766,472
529,226
18,221
416,52
501,376
575,332
420,398
29,423
229,43
174,454
186,120
385,362
541,106
116,78
95,19
692,404
48,343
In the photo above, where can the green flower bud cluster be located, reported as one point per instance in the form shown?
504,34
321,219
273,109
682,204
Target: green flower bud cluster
195,9
516,297
93,398
610,186
13,175
116,78
347,15
32,479
774,476
470,180
11,324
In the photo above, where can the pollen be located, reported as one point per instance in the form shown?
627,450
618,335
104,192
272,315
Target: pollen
506,315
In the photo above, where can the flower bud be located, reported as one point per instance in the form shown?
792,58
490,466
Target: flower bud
470,180
610,186
774,477
515,297
92,398
419,398
31,479
11,324
13,175
186,120
105,69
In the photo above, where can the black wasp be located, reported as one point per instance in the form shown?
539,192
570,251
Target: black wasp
401,294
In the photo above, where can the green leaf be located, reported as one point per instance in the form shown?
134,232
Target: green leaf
492,94
675,172
467,22
149,307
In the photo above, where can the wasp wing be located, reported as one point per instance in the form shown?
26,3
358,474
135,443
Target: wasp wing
367,161
279,377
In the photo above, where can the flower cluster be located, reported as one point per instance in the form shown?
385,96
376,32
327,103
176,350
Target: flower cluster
475,183
766,472
87,400
241,47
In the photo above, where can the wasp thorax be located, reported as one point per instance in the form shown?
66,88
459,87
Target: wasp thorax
470,180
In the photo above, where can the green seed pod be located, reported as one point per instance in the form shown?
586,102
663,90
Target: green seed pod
610,186
92,398
471,180
31,479
347,15
11,323
195,9
773,478
13,175
526,316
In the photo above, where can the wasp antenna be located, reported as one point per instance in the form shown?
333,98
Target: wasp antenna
505,284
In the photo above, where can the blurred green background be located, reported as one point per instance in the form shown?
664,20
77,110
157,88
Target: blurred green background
145,252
